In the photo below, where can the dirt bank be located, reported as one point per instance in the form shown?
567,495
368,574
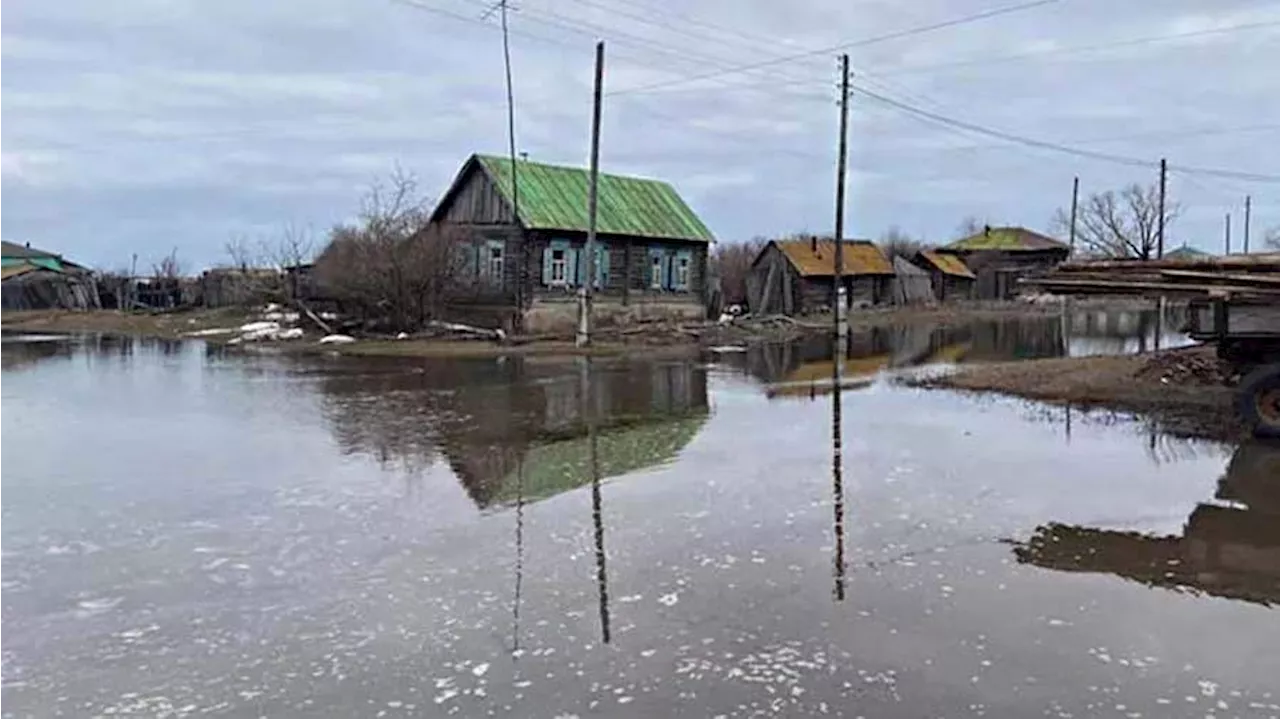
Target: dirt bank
167,325
1181,389
662,338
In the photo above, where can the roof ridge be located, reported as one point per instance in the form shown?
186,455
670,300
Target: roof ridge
571,168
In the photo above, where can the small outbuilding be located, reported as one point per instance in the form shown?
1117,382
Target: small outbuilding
1000,256
797,276
950,277
911,285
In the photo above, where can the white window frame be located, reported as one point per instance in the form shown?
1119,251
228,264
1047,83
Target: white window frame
560,265
682,272
657,271
496,262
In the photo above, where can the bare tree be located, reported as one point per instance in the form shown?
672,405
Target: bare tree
896,243
1119,225
392,264
292,247
971,225
239,252
1271,238
168,267
731,263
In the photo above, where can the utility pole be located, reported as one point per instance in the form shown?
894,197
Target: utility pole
1164,173
1075,199
584,292
842,326
1227,234
522,274
1248,205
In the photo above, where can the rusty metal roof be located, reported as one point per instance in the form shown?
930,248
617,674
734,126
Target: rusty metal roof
861,257
16,270
948,264
1006,239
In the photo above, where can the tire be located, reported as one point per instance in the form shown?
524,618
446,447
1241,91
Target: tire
1258,400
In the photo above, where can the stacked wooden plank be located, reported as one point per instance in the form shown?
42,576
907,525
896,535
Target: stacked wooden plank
1244,276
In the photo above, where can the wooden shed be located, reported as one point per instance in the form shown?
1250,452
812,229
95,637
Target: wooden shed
1000,256
798,276
651,253
950,277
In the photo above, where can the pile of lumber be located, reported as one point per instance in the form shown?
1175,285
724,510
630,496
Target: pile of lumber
1253,276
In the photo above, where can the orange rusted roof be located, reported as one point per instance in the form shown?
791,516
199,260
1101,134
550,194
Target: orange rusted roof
861,257
16,270
948,264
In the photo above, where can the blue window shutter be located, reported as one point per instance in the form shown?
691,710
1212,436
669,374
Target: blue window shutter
546,265
602,266
573,270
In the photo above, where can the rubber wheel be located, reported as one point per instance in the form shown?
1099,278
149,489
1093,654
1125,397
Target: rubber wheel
1258,400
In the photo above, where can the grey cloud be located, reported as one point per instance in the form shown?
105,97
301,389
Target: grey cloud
143,125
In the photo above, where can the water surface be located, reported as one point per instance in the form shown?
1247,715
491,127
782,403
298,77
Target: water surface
192,533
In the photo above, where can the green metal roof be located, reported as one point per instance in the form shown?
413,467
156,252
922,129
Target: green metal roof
1008,239
557,467
553,197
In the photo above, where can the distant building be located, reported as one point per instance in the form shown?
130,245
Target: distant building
1186,252
950,277
1000,256
798,276
651,253
35,279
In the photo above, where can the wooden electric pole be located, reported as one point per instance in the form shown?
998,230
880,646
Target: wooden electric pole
1248,206
522,273
1226,237
842,326
1164,173
584,292
1075,201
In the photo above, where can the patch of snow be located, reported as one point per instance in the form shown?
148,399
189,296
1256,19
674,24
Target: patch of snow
337,339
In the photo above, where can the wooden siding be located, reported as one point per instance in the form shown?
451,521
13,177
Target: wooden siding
998,272
628,273
478,202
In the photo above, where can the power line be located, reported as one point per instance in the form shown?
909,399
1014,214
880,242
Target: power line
843,46
913,69
1056,147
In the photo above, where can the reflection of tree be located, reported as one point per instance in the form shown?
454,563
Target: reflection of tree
1226,551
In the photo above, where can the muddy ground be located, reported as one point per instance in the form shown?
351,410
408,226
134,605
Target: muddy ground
645,337
1184,389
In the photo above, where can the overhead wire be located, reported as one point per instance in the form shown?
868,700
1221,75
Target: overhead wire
920,29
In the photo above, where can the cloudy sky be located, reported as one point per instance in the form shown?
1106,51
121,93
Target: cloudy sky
140,126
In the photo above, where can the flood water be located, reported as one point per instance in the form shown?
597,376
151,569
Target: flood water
188,532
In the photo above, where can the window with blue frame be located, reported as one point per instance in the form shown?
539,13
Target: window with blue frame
559,264
682,269
657,268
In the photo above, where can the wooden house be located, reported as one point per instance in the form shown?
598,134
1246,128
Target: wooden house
34,279
1000,256
522,245
950,277
797,276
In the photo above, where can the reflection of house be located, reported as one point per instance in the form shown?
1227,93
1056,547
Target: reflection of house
34,279
950,277
1224,551
642,414
798,276
651,257
1000,256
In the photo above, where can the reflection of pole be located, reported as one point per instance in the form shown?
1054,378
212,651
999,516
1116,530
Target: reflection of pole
837,471
597,500
1068,423
515,607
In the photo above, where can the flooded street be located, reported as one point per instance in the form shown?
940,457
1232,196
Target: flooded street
188,532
